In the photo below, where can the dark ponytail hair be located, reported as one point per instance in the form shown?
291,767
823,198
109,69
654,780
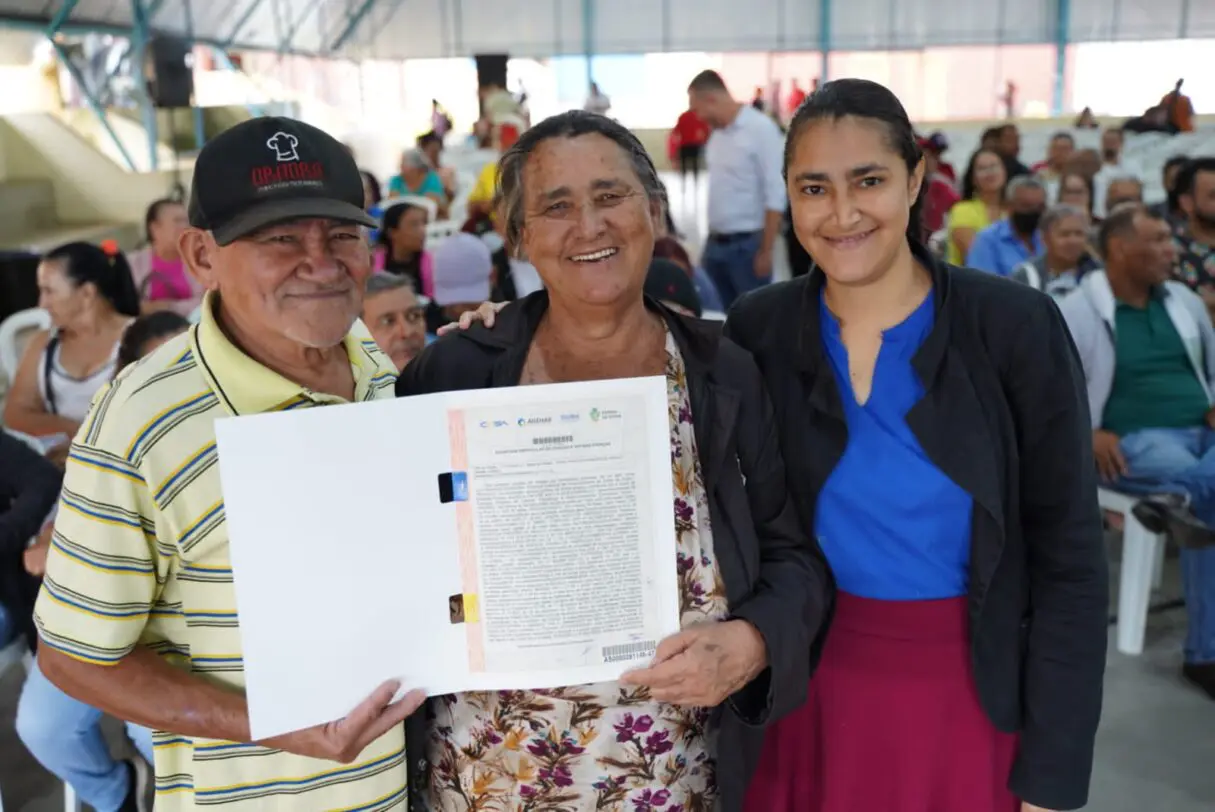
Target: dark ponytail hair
105,268
147,328
390,220
862,98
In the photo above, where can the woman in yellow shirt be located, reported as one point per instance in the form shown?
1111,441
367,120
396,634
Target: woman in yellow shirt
981,205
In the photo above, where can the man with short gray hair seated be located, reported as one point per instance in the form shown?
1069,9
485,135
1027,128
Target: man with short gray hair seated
1007,243
395,317
1148,350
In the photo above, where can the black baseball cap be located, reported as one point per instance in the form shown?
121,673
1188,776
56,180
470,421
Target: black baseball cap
267,170
667,282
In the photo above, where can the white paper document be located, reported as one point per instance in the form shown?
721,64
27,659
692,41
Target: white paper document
483,540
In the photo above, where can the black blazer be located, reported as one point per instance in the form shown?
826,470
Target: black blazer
775,576
1005,416
29,486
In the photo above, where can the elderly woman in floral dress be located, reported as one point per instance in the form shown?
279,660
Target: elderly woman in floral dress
580,196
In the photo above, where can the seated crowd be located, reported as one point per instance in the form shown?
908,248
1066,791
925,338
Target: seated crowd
1135,285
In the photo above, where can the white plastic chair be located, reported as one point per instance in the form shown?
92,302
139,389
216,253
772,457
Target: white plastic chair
437,232
14,332
1142,570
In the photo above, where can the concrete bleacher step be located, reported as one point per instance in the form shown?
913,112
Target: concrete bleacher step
28,223
25,206
43,240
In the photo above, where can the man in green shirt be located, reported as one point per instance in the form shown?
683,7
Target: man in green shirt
1148,350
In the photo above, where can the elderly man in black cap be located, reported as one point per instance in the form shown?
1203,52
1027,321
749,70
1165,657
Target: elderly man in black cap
137,614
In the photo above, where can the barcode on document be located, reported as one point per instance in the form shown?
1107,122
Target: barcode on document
557,440
629,651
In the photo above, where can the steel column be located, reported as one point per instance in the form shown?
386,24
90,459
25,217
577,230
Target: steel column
200,130
98,110
352,24
140,34
250,10
61,17
1063,24
824,39
588,40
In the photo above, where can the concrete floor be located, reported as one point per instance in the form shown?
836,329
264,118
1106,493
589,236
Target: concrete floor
1155,749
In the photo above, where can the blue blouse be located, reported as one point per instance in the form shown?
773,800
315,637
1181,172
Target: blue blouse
892,525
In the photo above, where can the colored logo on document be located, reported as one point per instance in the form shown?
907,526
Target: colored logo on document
595,414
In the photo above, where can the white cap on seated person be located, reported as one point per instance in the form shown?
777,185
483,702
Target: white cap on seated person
463,268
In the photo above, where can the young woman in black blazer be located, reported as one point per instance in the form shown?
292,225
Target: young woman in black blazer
937,438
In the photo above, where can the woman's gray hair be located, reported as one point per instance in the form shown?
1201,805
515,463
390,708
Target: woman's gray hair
1059,212
508,200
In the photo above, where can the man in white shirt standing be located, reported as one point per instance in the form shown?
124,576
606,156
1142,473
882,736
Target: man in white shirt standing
746,188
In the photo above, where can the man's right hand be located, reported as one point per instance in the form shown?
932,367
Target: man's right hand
1108,453
343,740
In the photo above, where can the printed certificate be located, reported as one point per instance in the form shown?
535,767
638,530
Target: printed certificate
481,540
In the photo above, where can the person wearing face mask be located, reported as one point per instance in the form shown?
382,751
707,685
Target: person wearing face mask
1004,245
1058,269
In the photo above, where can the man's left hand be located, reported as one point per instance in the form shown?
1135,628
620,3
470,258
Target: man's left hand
763,263
1211,418
704,664
1027,807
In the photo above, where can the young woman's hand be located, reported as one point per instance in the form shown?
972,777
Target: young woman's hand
485,314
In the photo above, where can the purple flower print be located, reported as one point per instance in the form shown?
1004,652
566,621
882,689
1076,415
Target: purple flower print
658,742
628,727
649,800
685,413
684,563
608,784
683,511
559,776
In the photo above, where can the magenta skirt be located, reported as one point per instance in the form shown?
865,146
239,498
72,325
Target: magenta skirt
892,723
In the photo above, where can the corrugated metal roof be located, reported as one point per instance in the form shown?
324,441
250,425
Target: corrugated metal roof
400,29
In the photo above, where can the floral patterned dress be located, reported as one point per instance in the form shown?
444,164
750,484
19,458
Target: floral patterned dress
595,747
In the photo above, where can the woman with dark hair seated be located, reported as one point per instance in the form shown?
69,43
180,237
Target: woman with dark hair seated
90,295
582,197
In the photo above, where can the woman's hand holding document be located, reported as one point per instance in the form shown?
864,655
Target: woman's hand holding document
502,539
704,664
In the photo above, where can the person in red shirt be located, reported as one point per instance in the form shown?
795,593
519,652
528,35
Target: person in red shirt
688,145
796,97
938,144
939,192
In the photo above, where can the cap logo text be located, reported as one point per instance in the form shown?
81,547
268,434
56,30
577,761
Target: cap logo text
300,172
285,147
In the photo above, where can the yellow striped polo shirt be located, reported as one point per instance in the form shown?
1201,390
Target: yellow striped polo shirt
140,557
